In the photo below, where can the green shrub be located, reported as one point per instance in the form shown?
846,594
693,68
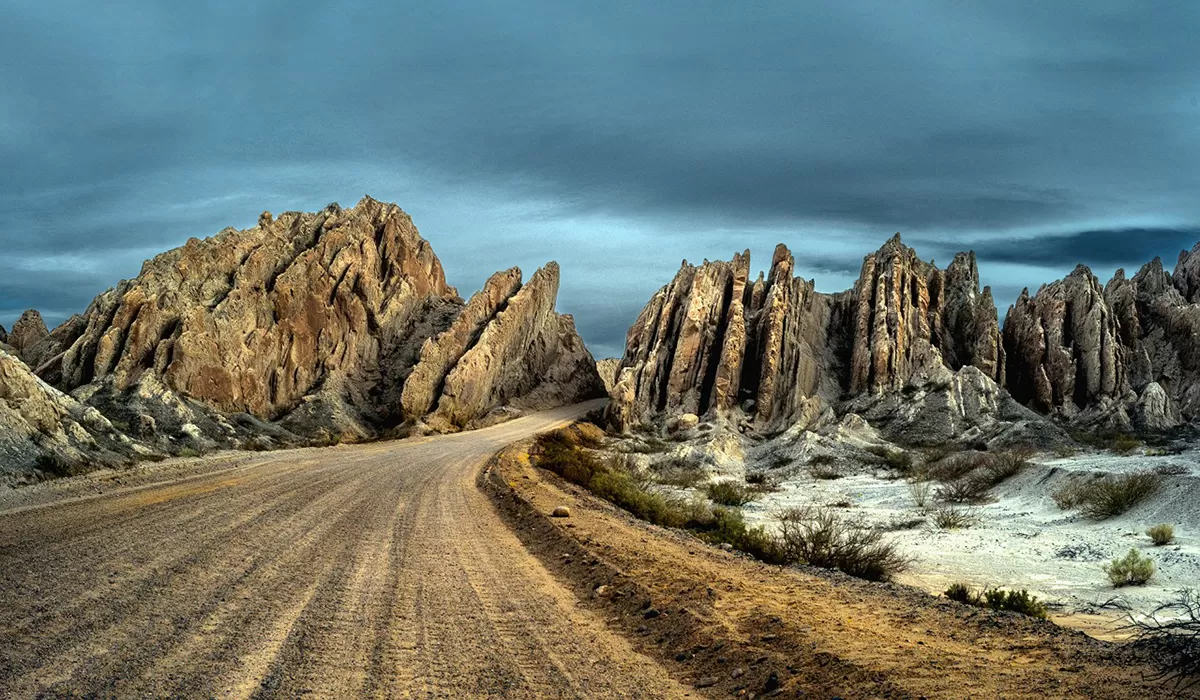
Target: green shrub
962,593
728,492
1133,569
188,452
822,537
728,525
1107,496
998,599
1161,534
1123,444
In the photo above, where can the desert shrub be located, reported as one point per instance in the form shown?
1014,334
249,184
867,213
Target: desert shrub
920,492
1107,496
948,518
620,489
1112,496
1171,470
757,478
55,465
1015,601
822,537
973,488
1112,440
955,466
1170,634
646,445
1071,493
1005,464
936,453
188,451
998,599
962,593
1161,534
729,525
1133,569
728,492
824,472
680,472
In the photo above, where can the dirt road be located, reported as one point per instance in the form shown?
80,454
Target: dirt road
355,571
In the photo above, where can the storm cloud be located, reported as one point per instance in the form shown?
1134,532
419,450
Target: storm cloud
616,138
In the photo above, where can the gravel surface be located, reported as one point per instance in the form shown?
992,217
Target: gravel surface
356,571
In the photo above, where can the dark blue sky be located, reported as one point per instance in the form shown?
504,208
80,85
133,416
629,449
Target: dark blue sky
614,137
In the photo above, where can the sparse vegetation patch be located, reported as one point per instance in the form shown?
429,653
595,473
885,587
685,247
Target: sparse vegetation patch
1133,569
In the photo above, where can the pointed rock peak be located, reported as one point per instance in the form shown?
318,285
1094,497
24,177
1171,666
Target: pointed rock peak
1081,270
28,331
1119,275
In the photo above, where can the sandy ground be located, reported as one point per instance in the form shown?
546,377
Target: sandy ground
355,571
735,624
1024,540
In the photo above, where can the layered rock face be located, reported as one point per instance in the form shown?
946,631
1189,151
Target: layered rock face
252,321
40,427
1124,356
508,348
712,340
305,327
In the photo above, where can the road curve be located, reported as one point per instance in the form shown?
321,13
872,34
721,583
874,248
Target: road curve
357,571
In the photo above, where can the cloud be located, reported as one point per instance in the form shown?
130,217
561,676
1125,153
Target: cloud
616,138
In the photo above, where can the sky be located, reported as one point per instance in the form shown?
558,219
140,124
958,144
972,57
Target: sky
617,138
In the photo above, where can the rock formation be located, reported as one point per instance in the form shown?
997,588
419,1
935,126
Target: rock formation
41,428
304,327
27,332
608,369
711,340
508,348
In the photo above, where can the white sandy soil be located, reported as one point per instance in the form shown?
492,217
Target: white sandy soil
1023,539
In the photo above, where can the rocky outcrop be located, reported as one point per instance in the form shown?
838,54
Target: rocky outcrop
1124,357
1062,346
782,352
441,353
27,332
45,431
309,327
526,356
608,369
252,321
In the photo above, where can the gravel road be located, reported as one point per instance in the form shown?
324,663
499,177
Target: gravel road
356,571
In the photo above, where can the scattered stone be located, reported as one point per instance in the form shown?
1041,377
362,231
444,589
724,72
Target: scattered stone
561,512
707,682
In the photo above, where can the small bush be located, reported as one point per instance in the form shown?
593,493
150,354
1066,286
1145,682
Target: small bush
955,467
758,479
821,537
920,492
728,492
998,599
1133,569
962,593
1005,464
937,453
1107,496
729,525
781,461
680,472
896,459
1123,444
1161,534
948,518
972,488
824,472
1171,470
1112,496
188,452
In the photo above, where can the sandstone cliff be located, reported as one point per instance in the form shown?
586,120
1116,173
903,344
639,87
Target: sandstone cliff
712,340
